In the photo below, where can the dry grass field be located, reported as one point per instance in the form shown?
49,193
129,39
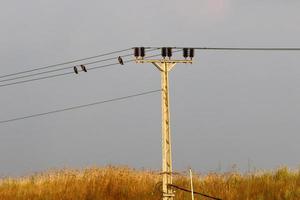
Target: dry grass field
120,183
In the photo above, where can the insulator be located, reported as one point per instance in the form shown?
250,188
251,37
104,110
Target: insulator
164,52
142,52
75,70
136,52
169,52
120,60
185,52
83,68
192,53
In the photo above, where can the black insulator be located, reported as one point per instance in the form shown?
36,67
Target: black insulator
120,60
142,52
192,53
169,52
75,70
185,52
83,68
164,52
136,52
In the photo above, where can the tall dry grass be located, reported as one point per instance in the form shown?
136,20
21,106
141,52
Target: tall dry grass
120,183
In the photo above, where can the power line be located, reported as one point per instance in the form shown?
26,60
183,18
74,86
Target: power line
119,51
69,73
56,75
60,69
36,79
68,67
112,58
80,106
199,193
246,49
64,63
233,48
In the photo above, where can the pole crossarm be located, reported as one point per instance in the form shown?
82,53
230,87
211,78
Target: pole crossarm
164,61
164,67
159,64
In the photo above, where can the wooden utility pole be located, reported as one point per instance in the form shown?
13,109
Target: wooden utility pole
165,65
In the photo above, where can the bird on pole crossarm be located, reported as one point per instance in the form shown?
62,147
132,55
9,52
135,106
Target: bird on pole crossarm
164,65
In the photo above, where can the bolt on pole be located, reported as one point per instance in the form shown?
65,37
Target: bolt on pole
165,65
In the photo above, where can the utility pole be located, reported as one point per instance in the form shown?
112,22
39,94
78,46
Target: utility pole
165,65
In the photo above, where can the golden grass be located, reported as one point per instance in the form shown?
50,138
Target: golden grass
121,183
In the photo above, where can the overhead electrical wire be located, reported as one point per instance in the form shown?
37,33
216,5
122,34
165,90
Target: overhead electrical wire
69,73
80,106
60,69
36,79
64,63
119,51
233,48
126,55
64,68
245,49
148,48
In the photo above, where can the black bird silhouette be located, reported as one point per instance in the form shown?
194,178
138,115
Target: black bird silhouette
75,70
83,68
120,60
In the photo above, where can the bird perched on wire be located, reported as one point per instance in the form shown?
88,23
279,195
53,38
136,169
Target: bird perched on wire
120,60
75,70
83,68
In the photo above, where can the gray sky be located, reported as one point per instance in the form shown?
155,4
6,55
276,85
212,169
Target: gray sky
227,108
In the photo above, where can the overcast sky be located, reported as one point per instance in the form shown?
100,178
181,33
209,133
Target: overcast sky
227,108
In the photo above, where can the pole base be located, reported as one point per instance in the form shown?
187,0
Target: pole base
168,196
